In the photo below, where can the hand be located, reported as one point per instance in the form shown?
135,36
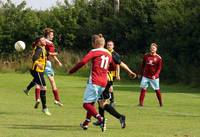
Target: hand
153,77
60,64
139,76
118,77
132,75
40,66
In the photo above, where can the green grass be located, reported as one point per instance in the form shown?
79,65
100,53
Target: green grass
179,117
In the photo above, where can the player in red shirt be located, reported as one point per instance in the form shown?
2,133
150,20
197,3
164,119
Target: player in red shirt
101,59
52,55
151,67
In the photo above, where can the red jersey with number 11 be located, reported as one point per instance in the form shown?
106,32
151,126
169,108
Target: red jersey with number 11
101,59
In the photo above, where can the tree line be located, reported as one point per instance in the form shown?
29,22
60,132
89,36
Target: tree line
173,24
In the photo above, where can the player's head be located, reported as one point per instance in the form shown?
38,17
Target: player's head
39,41
48,33
98,41
110,45
153,48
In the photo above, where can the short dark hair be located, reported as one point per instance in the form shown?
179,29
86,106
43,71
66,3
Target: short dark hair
154,44
46,31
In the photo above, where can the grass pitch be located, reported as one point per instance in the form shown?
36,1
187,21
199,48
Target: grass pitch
180,116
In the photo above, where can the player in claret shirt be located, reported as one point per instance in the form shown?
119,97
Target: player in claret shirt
101,59
151,68
52,55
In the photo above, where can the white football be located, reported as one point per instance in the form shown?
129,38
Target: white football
20,45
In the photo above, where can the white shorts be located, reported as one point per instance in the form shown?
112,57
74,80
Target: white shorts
48,69
92,93
153,82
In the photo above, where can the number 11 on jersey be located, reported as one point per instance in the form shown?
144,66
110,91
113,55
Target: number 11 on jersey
104,62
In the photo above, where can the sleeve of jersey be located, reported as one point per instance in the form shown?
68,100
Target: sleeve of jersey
85,59
116,58
159,68
51,49
142,66
36,56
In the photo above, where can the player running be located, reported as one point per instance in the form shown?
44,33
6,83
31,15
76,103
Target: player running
101,58
151,67
104,100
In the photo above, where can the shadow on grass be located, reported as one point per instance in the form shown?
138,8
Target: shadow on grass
183,115
45,127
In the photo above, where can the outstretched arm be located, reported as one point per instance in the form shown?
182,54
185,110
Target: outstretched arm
118,72
57,60
126,68
85,59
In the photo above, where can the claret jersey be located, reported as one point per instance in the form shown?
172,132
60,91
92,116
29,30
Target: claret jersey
101,59
152,65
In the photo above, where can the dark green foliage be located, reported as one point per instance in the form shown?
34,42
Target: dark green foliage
173,24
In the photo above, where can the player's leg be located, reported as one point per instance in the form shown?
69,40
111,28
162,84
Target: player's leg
91,96
37,96
50,74
143,85
36,80
30,85
106,96
112,101
45,110
55,91
43,94
85,124
103,101
155,85
111,110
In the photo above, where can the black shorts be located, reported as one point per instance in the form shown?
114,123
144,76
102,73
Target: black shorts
38,78
106,93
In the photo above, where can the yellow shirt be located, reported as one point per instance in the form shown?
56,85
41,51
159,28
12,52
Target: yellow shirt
39,57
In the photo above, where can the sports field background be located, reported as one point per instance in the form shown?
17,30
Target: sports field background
180,116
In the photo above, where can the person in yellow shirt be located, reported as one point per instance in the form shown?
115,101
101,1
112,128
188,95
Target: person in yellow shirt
37,70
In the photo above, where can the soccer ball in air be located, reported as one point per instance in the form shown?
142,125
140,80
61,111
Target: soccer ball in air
20,46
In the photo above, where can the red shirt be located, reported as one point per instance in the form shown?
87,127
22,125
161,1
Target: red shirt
49,46
101,59
151,66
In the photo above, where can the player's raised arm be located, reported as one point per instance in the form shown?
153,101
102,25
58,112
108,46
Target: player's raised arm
85,59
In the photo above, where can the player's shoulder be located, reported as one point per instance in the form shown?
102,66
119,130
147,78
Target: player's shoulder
158,56
38,49
100,50
147,54
115,53
49,43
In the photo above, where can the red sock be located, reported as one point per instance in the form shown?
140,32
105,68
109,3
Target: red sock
92,111
88,115
88,119
37,94
142,95
158,94
56,96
